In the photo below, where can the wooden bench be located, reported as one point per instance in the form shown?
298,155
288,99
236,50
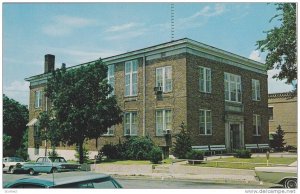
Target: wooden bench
263,146
215,148
204,148
251,147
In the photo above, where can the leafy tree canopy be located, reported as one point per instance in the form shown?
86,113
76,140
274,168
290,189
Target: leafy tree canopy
281,44
81,107
15,118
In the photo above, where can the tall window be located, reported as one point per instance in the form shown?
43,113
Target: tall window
233,88
205,122
130,122
255,89
270,112
164,78
38,99
163,121
131,78
36,149
205,80
256,125
36,131
111,78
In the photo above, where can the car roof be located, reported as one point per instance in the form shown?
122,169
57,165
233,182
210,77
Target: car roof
48,181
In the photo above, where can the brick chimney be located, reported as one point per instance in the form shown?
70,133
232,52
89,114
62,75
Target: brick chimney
49,63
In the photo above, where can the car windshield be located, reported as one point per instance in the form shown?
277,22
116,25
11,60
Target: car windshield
57,159
15,159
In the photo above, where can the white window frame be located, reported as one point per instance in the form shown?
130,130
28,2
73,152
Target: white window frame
38,98
255,90
131,73
237,82
257,125
110,131
164,80
165,123
131,124
205,122
111,78
271,107
206,79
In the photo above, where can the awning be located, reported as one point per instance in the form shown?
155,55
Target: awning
32,122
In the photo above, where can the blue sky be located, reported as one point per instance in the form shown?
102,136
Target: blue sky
82,32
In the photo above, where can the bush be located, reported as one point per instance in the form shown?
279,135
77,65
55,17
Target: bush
110,151
242,154
195,155
52,153
85,155
137,148
182,145
155,155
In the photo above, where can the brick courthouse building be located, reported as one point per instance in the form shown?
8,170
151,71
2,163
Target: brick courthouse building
221,97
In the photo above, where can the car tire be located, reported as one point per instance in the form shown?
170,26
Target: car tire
54,170
290,183
31,171
11,170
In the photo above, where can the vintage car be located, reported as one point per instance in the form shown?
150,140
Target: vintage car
48,165
283,175
80,180
9,164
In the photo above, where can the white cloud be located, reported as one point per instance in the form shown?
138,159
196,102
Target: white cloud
18,91
125,31
201,17
256,56
277,86
63,25
123,27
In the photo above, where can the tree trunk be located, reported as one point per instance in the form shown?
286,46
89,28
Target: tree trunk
80,150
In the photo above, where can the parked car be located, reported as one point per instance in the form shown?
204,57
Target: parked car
81,180
283,175
48,165
9,164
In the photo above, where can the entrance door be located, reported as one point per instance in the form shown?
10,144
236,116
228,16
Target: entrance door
235,136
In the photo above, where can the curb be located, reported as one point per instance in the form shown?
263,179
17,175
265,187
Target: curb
181,177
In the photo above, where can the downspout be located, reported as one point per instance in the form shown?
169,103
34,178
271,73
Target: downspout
144,95
46,128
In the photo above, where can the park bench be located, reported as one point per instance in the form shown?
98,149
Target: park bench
251,147
263,146
203,148
215,148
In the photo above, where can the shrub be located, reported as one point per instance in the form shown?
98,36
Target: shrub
85,154
195,155
110,151
52,153
155,155
137,148
242,153
182,144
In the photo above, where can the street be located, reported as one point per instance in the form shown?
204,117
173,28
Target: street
148,183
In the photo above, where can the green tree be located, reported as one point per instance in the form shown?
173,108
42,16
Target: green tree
81,108
183,143
22,151
6,141
48,128
15,118
281,44
278,139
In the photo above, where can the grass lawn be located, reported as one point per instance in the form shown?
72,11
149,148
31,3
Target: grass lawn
246,163
133,162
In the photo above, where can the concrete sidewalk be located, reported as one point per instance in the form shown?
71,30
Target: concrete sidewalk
181,171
